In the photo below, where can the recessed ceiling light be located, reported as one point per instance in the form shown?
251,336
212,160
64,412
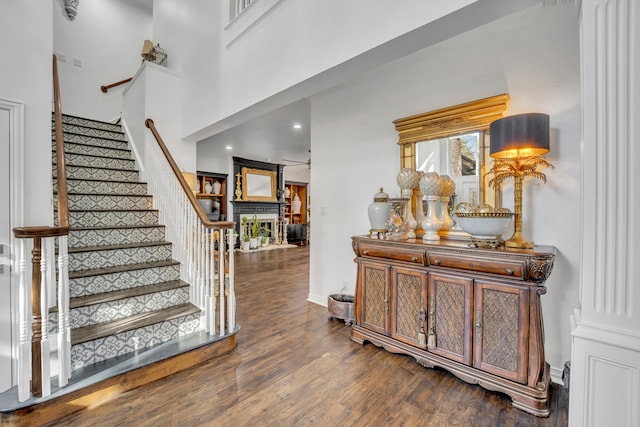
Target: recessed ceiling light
297,126
228,147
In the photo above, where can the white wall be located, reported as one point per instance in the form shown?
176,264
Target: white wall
276,62
25,42
107,37
532,56
155,92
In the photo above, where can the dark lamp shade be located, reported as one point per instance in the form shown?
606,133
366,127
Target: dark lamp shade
522,135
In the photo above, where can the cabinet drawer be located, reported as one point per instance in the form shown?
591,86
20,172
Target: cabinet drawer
406,255
502,267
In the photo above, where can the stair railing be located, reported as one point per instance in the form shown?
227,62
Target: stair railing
33,307
105,88
199,244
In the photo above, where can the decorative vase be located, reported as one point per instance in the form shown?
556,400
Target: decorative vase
216,187
246,245
419,201
207,205
431,224
448,188
407,180
431,184
287,192
397,226
379,213
446,223
208,188
296,204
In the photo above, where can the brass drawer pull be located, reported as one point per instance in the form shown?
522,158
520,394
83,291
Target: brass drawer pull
414,258
366,252
470,265
437,261
509,271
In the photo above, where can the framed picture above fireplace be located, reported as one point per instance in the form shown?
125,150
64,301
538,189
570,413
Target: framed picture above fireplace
258,185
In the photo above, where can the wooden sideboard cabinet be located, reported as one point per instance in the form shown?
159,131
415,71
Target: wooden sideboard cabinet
475,312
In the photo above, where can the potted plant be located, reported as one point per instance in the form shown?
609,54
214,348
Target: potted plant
254,232
246,243
265,237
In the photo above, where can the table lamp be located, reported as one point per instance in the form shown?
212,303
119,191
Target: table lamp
517,144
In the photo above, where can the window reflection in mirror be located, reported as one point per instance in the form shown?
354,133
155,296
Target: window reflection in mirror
457,156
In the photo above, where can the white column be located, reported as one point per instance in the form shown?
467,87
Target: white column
605,362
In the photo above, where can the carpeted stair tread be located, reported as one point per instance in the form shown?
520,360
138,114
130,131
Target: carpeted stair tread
111,247
120,268
101,330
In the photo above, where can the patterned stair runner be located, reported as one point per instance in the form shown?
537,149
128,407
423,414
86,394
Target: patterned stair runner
126,292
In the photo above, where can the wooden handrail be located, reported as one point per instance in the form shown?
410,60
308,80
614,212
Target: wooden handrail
39,232
61,168
194,202
63,197
105,88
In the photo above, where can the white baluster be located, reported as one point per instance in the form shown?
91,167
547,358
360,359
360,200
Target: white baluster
64,334
24,313
231,306
44,312
221,279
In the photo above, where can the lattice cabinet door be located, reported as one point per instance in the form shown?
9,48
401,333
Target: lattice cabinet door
408,306
450,315
502,329
373,313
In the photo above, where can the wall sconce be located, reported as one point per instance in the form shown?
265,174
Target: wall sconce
517,144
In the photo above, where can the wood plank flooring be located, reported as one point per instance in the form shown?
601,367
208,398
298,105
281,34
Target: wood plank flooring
294,367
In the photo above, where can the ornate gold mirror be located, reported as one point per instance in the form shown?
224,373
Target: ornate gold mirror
453,141
258,185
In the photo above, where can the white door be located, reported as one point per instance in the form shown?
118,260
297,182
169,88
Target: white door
5,245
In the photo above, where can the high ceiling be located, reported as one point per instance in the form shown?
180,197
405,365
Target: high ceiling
270,138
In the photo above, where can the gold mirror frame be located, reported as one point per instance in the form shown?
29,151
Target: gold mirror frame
446,122
249,193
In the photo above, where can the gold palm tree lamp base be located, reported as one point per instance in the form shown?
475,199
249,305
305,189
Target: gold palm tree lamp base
517,145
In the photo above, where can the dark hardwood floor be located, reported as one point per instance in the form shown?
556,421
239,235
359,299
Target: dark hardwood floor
293,367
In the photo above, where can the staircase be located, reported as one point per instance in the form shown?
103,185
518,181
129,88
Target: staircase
125,289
